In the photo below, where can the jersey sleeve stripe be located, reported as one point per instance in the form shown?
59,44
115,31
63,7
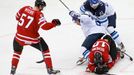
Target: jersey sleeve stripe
42,24
42,19
82,9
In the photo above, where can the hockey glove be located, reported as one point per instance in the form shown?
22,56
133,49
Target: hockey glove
74,15
102,70
98,70
56,22
105,69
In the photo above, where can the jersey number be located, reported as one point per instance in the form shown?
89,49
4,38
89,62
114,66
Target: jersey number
22,20
97,43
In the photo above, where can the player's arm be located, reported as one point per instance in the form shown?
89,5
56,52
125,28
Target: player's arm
75,17
110,63
91,67
47,25
18,14
83,10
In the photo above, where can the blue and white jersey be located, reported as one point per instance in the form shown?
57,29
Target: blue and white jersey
89,26
100,14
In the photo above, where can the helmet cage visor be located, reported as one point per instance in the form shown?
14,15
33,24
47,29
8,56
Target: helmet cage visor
94,3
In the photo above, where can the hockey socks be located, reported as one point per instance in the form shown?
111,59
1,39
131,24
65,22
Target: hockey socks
48,62
15,60
47,58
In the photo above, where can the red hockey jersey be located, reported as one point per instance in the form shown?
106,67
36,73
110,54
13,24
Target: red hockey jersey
103,47
29,22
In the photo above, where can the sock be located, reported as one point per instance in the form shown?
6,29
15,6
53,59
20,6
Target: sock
47,59
114,34
15,59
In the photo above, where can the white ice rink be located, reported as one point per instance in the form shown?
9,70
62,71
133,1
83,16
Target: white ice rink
64,41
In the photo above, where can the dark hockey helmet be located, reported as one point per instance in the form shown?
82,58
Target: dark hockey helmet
98,58
40,3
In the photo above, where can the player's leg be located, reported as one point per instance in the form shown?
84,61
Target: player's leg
87,45
111,29
43,47
116,37
16,56
113,49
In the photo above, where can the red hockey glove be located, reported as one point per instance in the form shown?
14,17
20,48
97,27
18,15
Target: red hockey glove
56,22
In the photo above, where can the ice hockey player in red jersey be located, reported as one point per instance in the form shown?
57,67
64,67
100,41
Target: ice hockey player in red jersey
103,55
30,20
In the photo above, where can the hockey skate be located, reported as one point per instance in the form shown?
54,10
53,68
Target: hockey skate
13,70
51,71
122,47
81,61
121,53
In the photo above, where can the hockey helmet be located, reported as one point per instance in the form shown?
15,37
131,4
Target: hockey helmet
40,3
98,58
94,3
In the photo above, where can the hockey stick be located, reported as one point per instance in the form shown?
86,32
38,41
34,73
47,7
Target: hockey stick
125,54
41,61
128,55
64,5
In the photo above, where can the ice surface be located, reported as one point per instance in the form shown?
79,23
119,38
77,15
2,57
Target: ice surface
64,41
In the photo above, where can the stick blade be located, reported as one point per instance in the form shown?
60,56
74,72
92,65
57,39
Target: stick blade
41,61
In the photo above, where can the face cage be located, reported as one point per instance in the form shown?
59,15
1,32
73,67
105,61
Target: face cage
94,5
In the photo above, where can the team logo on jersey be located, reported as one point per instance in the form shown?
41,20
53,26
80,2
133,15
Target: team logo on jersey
101,13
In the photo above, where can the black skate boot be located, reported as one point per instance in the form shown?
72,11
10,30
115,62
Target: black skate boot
13,70
51,71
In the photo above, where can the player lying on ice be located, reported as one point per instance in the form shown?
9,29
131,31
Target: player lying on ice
103,55
100,50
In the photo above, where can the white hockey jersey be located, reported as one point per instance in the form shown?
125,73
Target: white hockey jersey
100,14
89,26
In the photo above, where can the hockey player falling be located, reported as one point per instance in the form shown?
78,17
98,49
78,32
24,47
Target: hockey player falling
102,53
30,19
104,15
